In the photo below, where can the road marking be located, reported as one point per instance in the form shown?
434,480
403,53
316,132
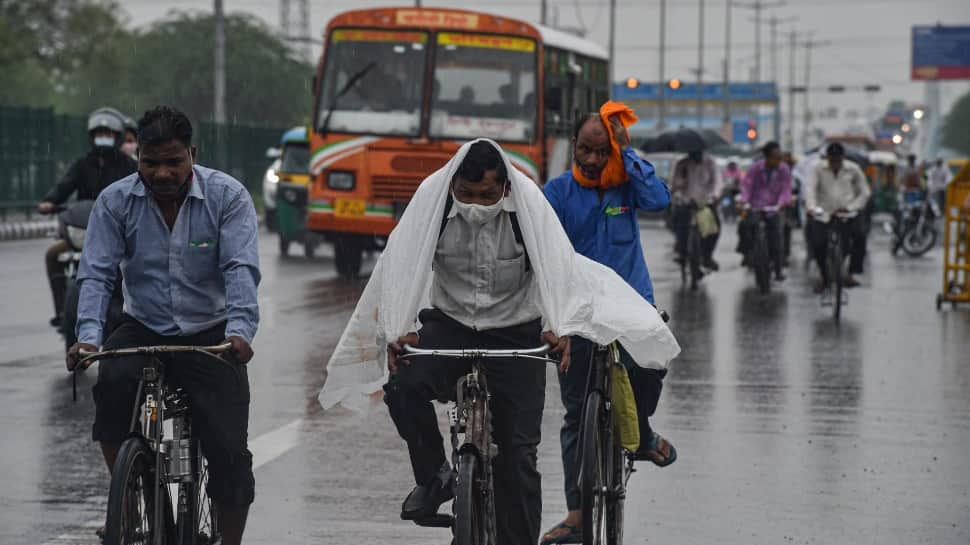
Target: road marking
265,449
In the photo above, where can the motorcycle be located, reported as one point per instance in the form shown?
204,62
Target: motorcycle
72,223
914,226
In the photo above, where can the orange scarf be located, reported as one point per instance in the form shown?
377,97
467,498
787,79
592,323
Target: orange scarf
614,173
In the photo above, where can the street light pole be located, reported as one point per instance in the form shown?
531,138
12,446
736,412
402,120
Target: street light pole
612,44
662,82
726,85
758,6
219,64
700,66
542,15
790,130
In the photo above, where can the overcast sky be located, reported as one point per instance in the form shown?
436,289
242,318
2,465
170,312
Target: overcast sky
865,41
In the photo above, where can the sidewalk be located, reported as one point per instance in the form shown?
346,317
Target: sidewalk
23,229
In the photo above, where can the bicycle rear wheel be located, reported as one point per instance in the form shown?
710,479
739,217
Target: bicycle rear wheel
593,481
472,505
835,269
131,498
614,506
762,263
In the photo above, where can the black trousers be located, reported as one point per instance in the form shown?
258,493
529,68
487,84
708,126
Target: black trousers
647,385
773,225
518,391
218,395
681,217
853,235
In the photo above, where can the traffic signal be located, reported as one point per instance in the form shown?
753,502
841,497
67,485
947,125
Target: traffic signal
752,130
674,84
632,83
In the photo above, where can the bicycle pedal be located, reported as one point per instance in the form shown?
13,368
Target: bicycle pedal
438,520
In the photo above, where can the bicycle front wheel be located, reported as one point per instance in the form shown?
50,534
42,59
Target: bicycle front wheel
131,499
593,483
197,521
472,506
614,506
835,269
694,256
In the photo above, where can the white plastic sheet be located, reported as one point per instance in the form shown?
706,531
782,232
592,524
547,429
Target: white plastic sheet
576,296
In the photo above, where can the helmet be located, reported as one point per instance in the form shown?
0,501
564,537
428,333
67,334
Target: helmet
106,118
130,125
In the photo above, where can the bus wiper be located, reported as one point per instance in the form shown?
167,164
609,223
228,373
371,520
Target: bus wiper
343,91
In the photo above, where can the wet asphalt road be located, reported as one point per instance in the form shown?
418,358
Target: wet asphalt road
789,429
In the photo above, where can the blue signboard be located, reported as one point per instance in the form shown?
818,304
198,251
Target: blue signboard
941,52
766,93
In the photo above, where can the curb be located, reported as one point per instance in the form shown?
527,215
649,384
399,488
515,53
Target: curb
21,230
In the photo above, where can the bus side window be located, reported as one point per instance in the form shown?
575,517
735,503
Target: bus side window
554,109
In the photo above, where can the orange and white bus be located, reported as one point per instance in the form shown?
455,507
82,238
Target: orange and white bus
398,90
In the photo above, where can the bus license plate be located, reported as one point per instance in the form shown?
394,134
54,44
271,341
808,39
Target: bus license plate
349,208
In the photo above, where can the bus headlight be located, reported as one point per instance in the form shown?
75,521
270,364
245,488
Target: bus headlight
342,181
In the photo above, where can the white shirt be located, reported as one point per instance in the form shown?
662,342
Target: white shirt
480,276
939,176
830,191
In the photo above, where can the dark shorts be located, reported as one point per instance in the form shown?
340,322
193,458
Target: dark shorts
218,394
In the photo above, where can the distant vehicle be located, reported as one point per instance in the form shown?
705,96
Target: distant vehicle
663,162
291,192
270,179
398,90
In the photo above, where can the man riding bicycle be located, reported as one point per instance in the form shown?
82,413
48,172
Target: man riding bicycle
767,186
696,183
185,238
837,187
479,260
598,210
105,163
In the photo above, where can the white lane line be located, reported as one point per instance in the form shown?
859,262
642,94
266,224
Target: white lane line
265,449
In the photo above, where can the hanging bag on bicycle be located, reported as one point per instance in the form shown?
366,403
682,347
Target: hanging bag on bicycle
624,409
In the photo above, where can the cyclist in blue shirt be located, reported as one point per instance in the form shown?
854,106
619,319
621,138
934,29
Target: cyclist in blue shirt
600,220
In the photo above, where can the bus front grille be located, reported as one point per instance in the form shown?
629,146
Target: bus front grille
394,188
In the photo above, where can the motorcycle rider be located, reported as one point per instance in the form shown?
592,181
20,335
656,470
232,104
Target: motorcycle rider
87,176
130,145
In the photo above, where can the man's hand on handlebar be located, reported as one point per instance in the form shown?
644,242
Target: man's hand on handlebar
46,207
395,349
74,355
240,352
560,345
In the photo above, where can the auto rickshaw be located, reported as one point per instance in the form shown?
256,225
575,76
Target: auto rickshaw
291,193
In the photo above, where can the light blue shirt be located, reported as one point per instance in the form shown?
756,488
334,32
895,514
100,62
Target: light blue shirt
179,282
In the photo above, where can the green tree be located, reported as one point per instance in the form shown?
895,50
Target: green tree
171,62
956,134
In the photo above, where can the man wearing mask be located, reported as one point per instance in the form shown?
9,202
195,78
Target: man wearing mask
696,183
185,238
86,177
597,202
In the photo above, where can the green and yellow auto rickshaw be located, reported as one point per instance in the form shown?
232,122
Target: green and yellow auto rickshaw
291,193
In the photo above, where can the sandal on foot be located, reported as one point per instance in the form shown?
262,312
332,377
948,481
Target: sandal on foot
653,451
562,533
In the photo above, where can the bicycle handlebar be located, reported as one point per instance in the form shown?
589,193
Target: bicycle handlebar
147,350
483,353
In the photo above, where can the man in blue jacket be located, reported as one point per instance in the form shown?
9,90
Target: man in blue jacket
600,218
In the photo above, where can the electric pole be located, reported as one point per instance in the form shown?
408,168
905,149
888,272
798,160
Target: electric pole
662,82
700,66
219,82
612,44
542,14
790,129
758,6
726,85
773,23
809,44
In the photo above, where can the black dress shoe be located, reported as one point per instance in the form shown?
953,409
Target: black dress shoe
425,500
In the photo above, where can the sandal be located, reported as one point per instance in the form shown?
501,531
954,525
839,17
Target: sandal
562,533
654,451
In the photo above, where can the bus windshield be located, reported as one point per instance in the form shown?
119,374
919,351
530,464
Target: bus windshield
484,86
373,82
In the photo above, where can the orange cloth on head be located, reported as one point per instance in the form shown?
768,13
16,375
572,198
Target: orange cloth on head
614,173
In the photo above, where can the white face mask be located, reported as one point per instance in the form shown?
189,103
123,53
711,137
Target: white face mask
104,141
478,214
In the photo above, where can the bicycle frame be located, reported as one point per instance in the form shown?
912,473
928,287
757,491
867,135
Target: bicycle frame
177,460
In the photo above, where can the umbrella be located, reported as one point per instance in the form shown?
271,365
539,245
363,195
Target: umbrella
680,140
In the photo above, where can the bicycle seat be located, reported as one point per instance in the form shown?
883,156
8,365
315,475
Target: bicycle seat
438,520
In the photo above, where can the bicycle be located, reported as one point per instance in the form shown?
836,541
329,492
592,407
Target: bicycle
140,509
692,261
835,259
605,466
472,448
759,255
